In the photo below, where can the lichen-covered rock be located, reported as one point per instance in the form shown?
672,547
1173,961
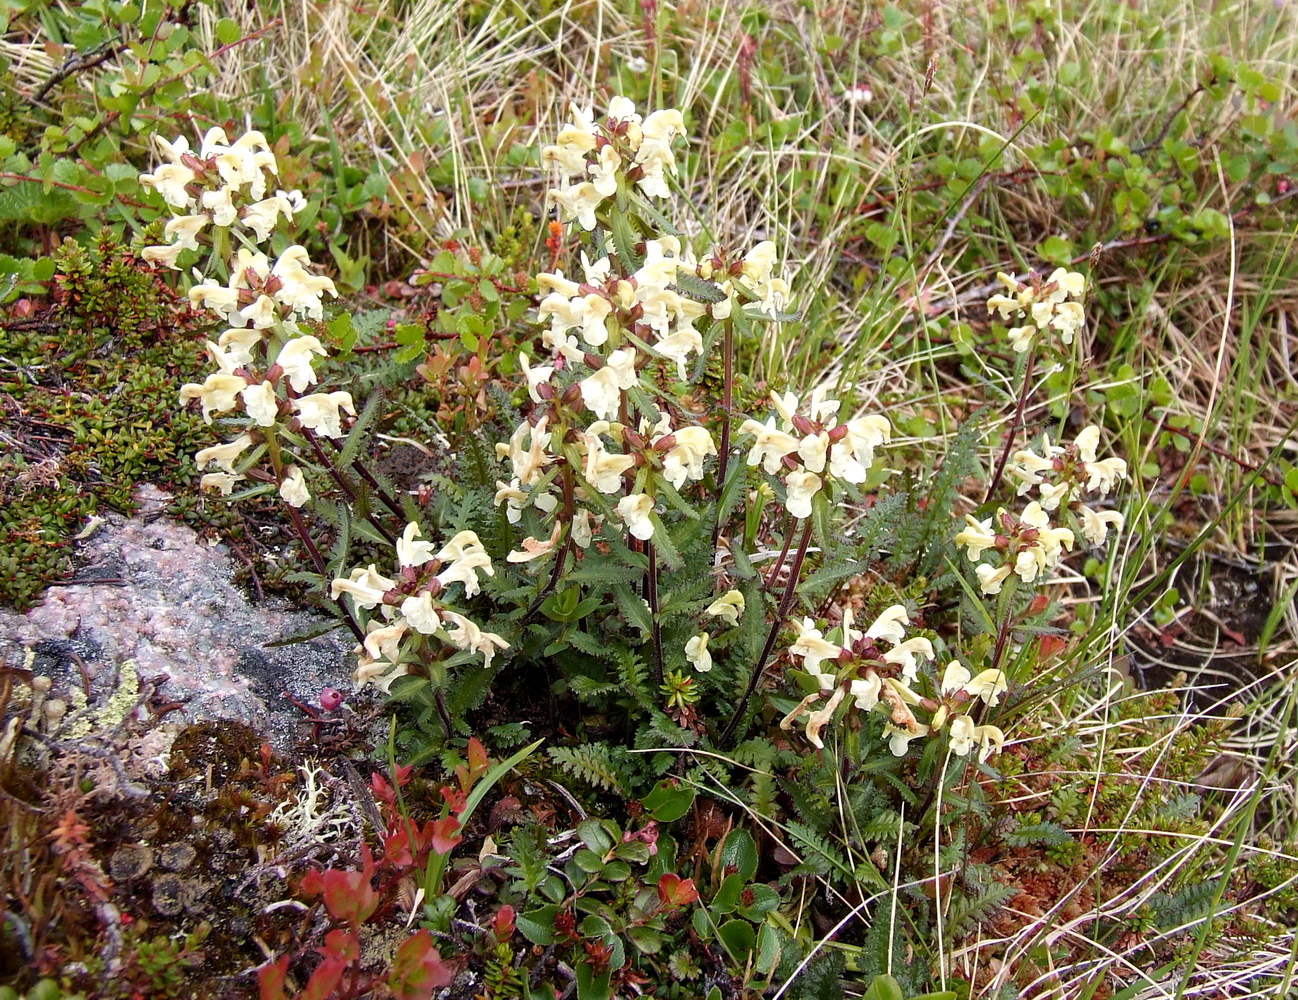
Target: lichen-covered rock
160,602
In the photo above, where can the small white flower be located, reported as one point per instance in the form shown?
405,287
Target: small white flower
977,538
411,550
814,649
678,347
365,586
238,343
220,205
467,635
802,487
293,487
1095,524
904,653
261,216
164,255
171,180
816,721
222,481
320,411
223,455
899,739
300,290
583,528
219,299
526,451
812,450
261,403
889,624
464,555
866,691
771,445
295,358
635,510
183,230
421,613
577,202
759,262
217,393
261,314
696,651
684,460
990,578
602,469
729,606
535,377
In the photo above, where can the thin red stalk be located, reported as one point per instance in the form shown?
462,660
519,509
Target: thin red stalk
651,586
1012,434
781,613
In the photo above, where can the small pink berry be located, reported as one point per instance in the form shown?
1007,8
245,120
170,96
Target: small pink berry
330,699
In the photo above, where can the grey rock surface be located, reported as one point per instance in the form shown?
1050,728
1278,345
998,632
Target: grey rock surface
176,612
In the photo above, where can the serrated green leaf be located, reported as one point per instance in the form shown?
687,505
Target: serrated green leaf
696,288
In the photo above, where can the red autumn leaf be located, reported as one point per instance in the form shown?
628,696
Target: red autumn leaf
323,981
477,755
396,848
381,790
676,891
270,979
455,798
418,969
348,896
446,834
1050,645
341,945
503,924
1038,604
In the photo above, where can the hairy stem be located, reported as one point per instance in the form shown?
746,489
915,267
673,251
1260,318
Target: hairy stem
727,399
651,588
1015,425
781,613
343,484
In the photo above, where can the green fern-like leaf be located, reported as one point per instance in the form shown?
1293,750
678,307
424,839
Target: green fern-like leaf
816,850
592,763
968,911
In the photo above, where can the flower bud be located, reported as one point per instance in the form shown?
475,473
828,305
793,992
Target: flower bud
331,699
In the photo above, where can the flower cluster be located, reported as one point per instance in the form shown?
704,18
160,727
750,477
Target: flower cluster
1062,474
222,185
814,448
1026,544
264,360
591,448
855,665
592,156
1044,303
412,603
